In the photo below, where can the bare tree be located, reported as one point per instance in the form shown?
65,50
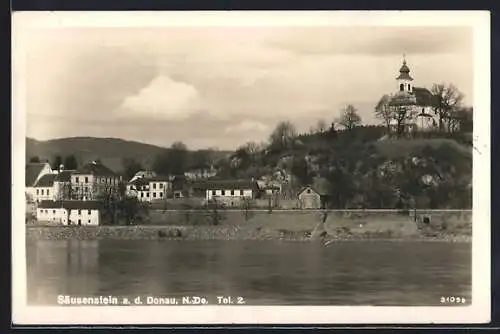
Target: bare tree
283,135
447,99
349,118
384,112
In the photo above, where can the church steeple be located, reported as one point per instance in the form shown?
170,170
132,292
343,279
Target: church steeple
404,79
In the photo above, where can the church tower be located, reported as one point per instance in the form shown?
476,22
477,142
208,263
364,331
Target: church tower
404,80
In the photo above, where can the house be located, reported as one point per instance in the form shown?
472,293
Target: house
309,198
33,172
148,189
93,179
269,188
417,101
44,188
230,192
69,212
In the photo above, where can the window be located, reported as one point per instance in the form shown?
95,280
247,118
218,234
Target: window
308,191
90,211
154,195
147,194
76,179
161,194
409,88
79,222
37,192
402,87
86,179
89,221
161,185
142,194
154,185
213,192
85,189
79,212
48,192
42,191
54,211
241,192
232,192
76,189
223,192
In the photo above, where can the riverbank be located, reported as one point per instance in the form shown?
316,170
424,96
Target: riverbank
302,227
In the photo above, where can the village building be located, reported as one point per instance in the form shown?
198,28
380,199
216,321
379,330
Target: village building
148,189
33,173
93,179
200,174
415,101
310,198
69,212
230,192
44,188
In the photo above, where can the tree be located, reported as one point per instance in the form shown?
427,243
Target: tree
321,126
383,111
200,159
131,167
447,99
349,118
34,159
172,161
283,135
70,162
58,161
178,156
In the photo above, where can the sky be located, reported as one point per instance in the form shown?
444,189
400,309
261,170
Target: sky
222,87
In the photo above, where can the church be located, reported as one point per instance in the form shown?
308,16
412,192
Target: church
415,102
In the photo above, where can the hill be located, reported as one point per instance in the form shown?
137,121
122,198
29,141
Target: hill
401,147
111,151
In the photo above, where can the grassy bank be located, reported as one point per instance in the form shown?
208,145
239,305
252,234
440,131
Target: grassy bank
297,226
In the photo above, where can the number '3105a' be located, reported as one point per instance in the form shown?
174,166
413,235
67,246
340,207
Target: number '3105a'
453,300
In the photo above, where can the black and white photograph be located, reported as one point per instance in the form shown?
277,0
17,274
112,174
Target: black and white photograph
251,167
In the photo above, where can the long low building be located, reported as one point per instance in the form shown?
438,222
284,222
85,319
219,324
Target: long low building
69,212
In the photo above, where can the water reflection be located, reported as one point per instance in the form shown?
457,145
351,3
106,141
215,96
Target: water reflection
285,273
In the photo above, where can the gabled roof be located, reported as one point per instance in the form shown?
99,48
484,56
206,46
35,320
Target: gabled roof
226,184
308,187
46,180
82,205
33,170
95,168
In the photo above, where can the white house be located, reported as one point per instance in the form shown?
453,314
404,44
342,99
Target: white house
229,191
69,212
148,189
309,198
91,179
33,172
44,188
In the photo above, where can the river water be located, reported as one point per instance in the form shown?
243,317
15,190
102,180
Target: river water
262,272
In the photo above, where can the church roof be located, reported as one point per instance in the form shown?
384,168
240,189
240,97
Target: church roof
404,72
421,97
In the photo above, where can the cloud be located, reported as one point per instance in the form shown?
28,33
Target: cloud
163,98
246,126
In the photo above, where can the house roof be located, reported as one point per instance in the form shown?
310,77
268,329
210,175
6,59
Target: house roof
159,178
225,184
419,97
83,205
33,170
64,176
95,168
46,180
308,187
